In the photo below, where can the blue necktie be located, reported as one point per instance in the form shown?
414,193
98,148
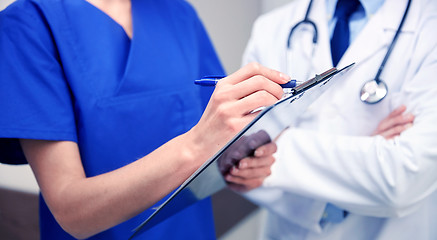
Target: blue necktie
339,44
332,214
340,37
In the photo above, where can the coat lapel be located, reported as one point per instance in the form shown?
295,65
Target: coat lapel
382,27
322,57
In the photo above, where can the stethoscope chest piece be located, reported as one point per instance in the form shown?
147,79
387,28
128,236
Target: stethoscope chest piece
373,91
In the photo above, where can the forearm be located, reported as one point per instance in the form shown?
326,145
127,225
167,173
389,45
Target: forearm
366,175
299,210
85,206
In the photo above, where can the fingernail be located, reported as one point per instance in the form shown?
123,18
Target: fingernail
259,152
243,164
409,116
284,76
401,107
234,170
408,125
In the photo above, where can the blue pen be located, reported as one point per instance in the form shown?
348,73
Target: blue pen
213,79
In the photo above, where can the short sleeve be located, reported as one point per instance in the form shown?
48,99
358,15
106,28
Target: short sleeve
35,100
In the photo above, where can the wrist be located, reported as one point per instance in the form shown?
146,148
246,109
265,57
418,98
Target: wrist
198,146
192,153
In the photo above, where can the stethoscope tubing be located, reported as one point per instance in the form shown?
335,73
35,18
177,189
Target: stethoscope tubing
306,20
393,43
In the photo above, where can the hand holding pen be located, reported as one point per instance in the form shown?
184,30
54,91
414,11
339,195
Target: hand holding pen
232,103
212,80
229,110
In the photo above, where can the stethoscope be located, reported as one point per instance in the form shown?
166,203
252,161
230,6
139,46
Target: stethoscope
373,91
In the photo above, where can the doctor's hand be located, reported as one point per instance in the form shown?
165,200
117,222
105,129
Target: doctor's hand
251,171
395,123
232,104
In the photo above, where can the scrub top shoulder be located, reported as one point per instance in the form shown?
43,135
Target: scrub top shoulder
70,73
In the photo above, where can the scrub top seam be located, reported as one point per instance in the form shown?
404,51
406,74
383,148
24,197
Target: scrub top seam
32,133
73,42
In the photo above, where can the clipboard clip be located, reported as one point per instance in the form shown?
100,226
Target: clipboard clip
323,77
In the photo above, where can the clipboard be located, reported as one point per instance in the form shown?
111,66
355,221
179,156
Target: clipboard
267,125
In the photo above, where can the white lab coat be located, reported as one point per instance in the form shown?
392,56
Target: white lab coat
388,187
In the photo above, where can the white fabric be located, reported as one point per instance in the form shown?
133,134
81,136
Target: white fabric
388,187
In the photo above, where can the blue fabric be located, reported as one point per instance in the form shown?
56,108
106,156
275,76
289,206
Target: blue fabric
340,37
332,214
357,21
69,72
339,43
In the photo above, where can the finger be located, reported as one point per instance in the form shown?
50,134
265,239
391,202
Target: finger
385,123
258,83
394,121
242,121
247,96
398,111
236,124
266,150
255,101
253,69
250,173
395,131
254,85
256,162
245,181
402,119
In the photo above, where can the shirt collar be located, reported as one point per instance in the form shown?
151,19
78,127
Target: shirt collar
370,7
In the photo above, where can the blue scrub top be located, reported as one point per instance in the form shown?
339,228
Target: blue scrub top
70,72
